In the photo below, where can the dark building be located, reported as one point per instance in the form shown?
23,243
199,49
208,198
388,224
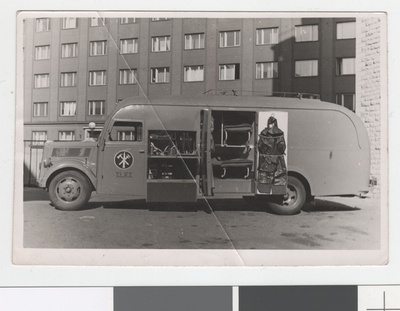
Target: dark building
77,69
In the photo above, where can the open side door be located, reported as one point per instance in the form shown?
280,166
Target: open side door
206,144
272,177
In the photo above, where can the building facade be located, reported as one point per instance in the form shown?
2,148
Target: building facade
77,69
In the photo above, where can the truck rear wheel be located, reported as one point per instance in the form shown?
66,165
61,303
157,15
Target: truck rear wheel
69,191
293,200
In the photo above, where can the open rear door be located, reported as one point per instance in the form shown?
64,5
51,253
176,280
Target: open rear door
205,155
272,177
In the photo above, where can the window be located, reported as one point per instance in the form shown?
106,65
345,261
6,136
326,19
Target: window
42,24
67,109
229,39
158,19
346,30
127,20
346,100
97,21
69,50
92,133
39,138
42,52
69,23
160,75
267,36
40,109
306,68
127,131
194,41
128,46
66,135
98,48
68,79
96,108
306,33
229,72
97,77
127,76
345,66
193,73
161,44
267,70
42,81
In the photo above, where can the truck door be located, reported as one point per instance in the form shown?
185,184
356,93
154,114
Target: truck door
271,177
122,166
205,152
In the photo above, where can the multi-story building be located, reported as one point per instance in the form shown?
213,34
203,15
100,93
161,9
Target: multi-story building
77,69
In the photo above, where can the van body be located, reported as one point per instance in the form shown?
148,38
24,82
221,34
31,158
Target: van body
180,149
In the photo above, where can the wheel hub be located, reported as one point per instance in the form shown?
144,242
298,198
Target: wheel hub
290,197
68,189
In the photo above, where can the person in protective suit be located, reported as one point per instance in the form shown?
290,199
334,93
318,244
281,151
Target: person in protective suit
271,149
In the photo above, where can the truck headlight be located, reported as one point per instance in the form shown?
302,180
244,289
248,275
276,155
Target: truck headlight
47,162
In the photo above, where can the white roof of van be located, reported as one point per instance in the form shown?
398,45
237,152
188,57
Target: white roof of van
230,101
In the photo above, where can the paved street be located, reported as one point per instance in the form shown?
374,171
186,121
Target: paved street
334,223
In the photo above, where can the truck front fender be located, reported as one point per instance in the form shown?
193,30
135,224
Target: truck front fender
64,166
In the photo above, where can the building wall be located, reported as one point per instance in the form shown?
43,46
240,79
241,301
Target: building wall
369,88
326,49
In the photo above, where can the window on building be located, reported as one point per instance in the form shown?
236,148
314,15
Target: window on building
97,77
193,73
346,100
306,33
42,52
67,109
346,30
96,108
69,50
127,20
68,79
267,70
42,80
229,39
92,132
66,135
40,109
158,19
160,75
345,66
42,24
161,44
267,36
127,131
69,22
229,72
128,46
98,48
306,68
39,138
127,76
97,21
194,41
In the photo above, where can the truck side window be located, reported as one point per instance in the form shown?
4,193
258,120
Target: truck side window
126,131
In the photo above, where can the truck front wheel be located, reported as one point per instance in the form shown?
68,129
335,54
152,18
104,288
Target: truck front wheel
69,191
294,199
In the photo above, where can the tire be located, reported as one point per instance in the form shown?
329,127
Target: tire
294,199
70,191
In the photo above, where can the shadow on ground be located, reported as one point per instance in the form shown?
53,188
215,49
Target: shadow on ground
207,206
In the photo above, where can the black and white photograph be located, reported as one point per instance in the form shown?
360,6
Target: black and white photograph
208,139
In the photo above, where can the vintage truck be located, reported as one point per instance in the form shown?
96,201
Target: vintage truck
281,151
